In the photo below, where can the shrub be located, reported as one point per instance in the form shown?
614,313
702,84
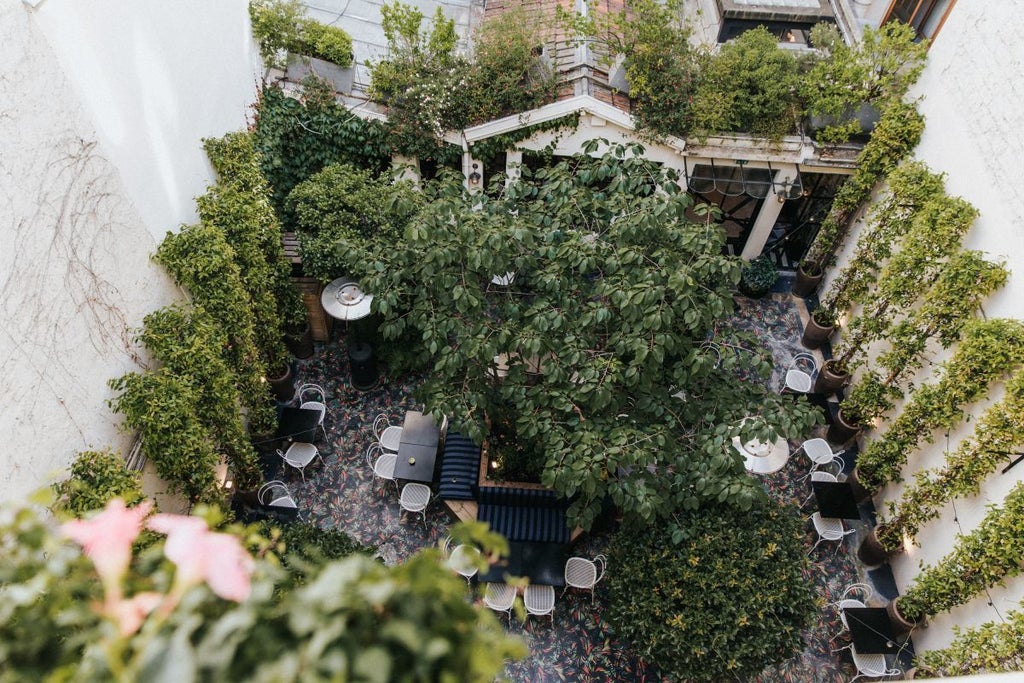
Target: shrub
327,42
724,602
96,478
758,276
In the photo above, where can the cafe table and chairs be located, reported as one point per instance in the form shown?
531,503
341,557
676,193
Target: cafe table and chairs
417,448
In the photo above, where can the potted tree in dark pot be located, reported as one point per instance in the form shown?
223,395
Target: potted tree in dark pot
820,326
758,277
808,276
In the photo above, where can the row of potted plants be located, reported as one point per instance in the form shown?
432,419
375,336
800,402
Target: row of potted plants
213,356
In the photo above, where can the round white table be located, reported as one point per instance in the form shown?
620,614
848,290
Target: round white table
760,457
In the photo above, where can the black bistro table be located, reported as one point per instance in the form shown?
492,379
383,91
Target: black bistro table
835,499
871,630
417,450
542,563
297,424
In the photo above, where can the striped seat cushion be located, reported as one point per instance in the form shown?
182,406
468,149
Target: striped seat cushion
460,468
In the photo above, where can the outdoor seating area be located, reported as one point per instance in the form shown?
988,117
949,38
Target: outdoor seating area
353,492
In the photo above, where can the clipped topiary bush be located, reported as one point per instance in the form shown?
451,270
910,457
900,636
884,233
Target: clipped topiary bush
726,601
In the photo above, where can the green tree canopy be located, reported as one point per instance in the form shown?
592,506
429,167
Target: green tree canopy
722,603
608,350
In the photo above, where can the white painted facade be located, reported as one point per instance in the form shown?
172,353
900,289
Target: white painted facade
971,93
102,107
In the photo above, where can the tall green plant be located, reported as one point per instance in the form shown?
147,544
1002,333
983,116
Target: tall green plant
877,70
909,186
896,135
239,206
189,344
201,260
934,237
981,559
167,410
990,349
998,433
423,82
992,647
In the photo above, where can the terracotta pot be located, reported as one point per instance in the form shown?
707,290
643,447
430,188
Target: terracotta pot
860,492
871,551
841,431
300,345
829,379
283,385
807,279
900,624
816,335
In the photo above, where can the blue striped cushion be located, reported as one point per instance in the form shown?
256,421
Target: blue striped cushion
460,468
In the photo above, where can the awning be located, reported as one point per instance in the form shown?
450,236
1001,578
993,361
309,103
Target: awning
736,179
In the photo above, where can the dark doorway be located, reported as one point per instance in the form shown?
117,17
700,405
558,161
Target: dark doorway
738,216
801,219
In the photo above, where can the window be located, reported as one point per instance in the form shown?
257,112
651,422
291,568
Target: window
925,16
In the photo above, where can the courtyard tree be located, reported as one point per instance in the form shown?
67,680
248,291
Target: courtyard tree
582,310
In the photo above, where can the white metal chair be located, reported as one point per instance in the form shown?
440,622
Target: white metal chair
583,573
540,601
500,597
800,374
299,455
313,397
382,464
275,493
462,559
819,452
388,435
415,498
870,665
829,529
863,592
818,476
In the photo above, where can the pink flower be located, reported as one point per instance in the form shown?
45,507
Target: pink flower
129,614
107,538
202,555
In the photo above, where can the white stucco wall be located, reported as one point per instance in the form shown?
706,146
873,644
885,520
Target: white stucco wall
971,92
102,105
154,78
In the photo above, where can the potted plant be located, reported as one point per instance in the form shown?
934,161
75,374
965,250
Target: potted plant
820,326
808,276
877,547
758,277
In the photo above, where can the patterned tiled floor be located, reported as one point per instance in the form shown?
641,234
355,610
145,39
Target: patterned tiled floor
580,646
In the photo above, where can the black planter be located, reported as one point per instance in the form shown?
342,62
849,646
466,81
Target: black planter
860,493
283,386
751,291
829,380
842,431
815,335
807,280
871,551
300,345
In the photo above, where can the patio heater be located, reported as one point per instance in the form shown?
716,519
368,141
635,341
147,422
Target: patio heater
344,300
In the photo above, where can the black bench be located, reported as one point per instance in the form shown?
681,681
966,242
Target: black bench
533,515
460,468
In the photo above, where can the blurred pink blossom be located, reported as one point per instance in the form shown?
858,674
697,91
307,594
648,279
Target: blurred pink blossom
107,538
203,555
129,614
